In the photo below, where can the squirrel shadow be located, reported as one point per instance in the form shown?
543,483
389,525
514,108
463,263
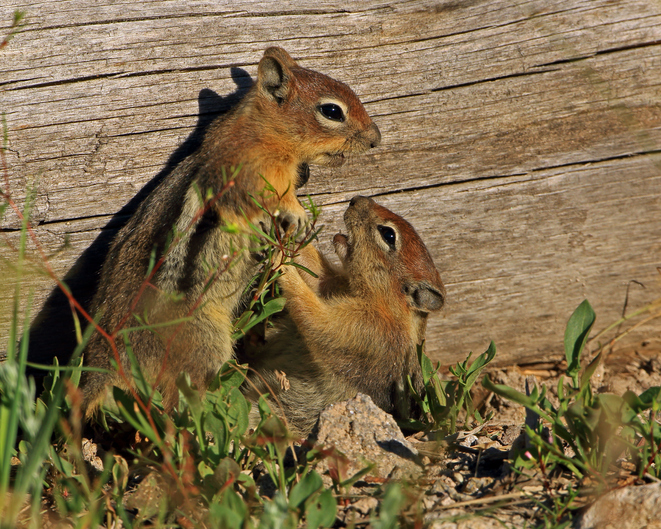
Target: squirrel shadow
52,333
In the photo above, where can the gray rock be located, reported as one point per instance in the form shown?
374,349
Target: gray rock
468,522
627,508
475,485
364,434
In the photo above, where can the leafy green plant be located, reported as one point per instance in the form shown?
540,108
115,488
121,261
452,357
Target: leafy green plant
307,500
442,401
277,249
203,450
585,432
26,423
556,512
390,507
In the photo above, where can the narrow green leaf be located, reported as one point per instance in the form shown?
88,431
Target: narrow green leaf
358,475
389,509
621,410
217,426
260,233
309,484
243,320
301,267
127,409
264,407
230,513
425,365
516,396
587,374
650,395
238,411
269,309
320,511
576,335
476,367
440,392
507,392
232,375
191,395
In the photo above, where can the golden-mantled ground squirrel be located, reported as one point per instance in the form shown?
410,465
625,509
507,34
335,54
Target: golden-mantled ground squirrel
291,117
357,328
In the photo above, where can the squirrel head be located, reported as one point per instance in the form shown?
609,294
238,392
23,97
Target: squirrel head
321,118
382,252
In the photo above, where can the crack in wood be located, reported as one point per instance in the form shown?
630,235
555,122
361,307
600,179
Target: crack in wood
492,79
125,20
465,181
211,14
605,159
608,51
116,75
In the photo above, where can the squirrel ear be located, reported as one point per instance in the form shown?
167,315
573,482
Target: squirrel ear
425,298
274,74
281,55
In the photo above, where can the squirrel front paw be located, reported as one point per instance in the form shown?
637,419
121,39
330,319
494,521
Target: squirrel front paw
292,224
288,224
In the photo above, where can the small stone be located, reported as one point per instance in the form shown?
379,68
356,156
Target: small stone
458,477
440,486
447,501
510,433
628,466
364,434
470,440
365,505
626,508
428,503
474,485
148,497
464,522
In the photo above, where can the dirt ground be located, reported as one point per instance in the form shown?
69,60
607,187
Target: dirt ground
470,482
474,486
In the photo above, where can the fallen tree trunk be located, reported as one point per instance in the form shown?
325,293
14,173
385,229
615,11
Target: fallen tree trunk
522,141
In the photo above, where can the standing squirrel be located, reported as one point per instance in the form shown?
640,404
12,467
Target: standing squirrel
290,117
356,328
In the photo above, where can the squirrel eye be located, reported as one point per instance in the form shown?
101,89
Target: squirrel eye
332,111
388,235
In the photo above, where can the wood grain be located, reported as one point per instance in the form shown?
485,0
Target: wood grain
521,139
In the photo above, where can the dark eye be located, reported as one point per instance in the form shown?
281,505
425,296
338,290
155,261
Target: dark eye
388,235
332,111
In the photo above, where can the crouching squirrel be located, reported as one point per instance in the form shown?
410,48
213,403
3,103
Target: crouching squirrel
290,117
356,328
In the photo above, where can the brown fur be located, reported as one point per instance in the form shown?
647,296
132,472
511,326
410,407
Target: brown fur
274,132
357,328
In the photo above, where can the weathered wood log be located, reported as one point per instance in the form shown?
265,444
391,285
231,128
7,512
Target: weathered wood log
521,139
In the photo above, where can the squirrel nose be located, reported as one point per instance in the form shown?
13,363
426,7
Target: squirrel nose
376,136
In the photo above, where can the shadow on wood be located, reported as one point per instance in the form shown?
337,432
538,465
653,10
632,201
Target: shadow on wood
54,318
